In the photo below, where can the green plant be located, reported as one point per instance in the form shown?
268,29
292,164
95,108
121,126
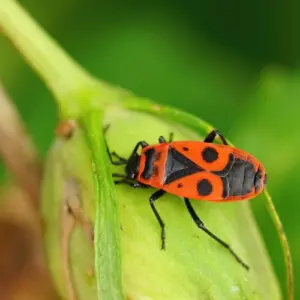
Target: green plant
78,177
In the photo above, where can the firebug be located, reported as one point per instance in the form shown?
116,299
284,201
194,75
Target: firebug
192,169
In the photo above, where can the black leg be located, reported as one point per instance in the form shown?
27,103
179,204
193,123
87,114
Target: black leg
119,175
121,160
119,157
134,153
211,137
201,225
158,194
118,162
105,129
143,144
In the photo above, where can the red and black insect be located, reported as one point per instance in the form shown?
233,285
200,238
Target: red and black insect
197,170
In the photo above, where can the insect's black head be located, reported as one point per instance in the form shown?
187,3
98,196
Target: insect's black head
132,167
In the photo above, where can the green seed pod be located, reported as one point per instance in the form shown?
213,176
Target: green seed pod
193,266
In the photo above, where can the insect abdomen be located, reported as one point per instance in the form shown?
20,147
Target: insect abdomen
240,180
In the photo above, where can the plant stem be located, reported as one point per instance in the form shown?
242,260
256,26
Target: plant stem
76,92
285,246
172,114
107,226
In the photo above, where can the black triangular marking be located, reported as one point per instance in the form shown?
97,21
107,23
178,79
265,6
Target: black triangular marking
178,166
185,161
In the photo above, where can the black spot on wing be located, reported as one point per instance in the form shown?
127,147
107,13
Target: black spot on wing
204,187
179,185
209,154
178,166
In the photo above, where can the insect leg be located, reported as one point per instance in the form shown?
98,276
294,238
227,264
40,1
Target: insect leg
121,161
105,128
211,137
118,157
143,144
158,194
201,225
116,162
119,175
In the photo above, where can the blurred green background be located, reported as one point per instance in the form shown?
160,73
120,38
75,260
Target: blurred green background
232,63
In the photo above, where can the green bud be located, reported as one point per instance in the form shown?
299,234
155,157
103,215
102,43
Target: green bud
193,266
